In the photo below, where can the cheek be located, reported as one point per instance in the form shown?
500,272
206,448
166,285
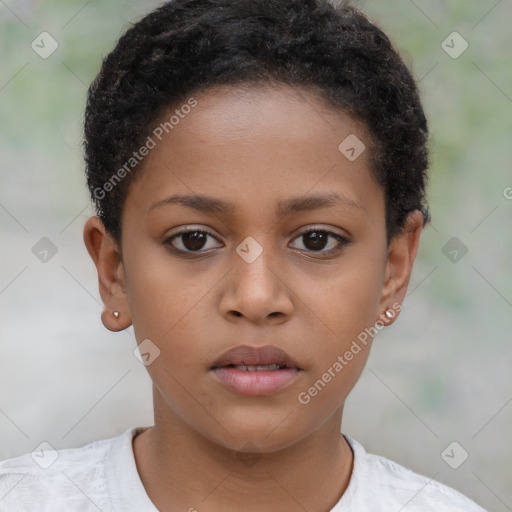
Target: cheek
340,354
348,301
161,293
345,309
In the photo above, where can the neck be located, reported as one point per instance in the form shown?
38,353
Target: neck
183,470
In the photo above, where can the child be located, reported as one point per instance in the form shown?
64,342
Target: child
259,171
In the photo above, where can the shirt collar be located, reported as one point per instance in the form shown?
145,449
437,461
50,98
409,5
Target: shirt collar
124,485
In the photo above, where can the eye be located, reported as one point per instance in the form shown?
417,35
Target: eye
191,240
195,241
316,239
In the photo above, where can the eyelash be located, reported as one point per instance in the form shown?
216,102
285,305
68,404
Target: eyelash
342,241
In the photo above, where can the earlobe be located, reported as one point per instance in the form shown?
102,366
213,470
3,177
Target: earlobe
401,255
114,322
111,279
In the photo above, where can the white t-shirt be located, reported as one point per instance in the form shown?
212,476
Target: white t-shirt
102,476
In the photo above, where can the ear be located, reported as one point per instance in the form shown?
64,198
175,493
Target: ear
111,278
401,254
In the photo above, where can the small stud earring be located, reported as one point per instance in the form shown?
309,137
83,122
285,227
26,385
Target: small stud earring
116,314
390,313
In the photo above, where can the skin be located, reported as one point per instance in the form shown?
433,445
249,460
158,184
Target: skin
252,147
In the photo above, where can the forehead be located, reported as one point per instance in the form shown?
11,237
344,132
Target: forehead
258,144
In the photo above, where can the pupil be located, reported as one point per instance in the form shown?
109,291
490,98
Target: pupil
319,240
195,238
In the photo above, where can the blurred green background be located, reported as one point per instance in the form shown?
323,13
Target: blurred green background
442,373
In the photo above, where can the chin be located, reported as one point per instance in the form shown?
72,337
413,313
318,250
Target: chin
261,433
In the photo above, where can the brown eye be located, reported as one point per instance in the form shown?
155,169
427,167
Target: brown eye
316,240
194,240
190,240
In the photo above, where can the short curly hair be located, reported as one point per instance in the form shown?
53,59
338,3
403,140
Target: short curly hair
188,46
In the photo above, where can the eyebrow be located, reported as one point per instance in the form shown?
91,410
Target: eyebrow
285,207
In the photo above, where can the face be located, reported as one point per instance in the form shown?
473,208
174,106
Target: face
288,253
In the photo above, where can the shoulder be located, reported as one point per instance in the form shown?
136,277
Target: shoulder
380,482
56,479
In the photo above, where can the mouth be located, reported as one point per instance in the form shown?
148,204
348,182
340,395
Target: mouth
255,371
256,367
266,358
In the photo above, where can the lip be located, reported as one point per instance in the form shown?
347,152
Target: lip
247,355
258,382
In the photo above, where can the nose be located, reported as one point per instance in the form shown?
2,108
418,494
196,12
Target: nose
257,290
